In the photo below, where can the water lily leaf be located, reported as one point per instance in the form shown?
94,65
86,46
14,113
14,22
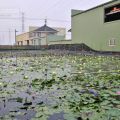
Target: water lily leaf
69,117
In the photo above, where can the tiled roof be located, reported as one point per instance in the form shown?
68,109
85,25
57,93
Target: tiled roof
45,28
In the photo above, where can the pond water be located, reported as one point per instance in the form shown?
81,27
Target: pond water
47,87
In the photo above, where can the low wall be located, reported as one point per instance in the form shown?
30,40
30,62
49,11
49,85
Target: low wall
61,47
60,42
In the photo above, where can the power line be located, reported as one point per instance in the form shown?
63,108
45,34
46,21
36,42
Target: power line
27,18
52,6
7,31
14,31
34,18
59,20
58,4
10,18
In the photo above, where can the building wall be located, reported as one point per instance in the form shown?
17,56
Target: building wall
38,39
32,28
22,39
61,31
89,28
43,41
55,38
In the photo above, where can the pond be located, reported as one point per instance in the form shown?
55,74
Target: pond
66,87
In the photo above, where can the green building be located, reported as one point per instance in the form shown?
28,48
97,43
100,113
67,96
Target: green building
98,27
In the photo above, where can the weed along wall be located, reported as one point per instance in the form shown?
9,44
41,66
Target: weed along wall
98,27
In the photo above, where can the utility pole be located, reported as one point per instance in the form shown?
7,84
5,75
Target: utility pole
10,42
46,33
10,37
23,22
15,37
16,44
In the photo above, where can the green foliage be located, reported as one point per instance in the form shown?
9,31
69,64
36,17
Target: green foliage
83,87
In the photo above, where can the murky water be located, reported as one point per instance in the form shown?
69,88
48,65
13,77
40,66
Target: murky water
19,91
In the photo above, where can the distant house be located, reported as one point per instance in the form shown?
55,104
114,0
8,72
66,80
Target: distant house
41,35
23,39
98,27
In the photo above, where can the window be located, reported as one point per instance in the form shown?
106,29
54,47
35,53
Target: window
38,34
112,13
112,42
32,34
27,42
32,42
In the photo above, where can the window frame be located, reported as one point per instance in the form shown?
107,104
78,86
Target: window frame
105,13
112,42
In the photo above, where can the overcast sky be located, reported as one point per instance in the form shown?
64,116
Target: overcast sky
58,13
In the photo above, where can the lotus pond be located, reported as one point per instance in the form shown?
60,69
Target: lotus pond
65,87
